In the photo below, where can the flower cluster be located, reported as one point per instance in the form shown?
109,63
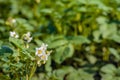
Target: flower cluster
42,53
11,22
14,34
27,37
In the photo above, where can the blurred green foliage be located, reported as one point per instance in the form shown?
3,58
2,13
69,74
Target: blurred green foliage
83,34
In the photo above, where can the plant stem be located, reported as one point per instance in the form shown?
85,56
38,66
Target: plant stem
33,70
26,76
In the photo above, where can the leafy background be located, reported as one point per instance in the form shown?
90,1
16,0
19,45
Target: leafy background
83,34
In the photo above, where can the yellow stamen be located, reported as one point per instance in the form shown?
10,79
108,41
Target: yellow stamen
43,57
39,51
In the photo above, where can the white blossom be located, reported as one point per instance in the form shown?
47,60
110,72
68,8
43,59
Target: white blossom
44,57
13,34
27,37
42,52
13,21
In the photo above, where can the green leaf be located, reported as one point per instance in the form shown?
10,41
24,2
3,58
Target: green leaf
57,43
4,77
107,77
58,54
38,42
18,65
20,44
5,67
109,69
47,11
17,42
97,35
5,49
63,53
80,75
115,38
68,52
92,59
60,73
1,42
48,67
115,53
78,39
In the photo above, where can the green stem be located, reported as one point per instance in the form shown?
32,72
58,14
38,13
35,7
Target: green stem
27,77
33,70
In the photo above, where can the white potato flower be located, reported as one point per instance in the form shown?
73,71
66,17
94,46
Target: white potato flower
42,52
44,57
13,34
13,21
27,37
